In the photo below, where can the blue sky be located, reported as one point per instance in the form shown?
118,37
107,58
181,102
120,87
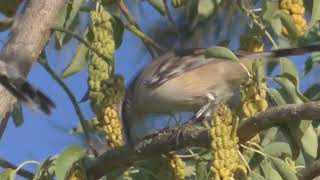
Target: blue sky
41,136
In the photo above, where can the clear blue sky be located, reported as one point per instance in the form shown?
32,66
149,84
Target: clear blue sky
41,135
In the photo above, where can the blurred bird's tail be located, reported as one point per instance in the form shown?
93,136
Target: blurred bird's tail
25,92
285,52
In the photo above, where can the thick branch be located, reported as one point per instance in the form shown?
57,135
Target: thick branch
191,135
29,35
277,116
168,140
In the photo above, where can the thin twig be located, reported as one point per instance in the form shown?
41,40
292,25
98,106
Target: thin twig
73,100
21,172
134,27
251,14
80,39
143,36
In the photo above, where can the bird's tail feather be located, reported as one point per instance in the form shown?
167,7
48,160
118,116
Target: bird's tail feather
27,94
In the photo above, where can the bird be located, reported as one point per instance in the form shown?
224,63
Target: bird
187,81
24,91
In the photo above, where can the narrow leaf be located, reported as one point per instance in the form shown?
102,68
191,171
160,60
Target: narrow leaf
66,19
158,5
66,159
79,60
220,52
283,169
17,115
315,15
269,172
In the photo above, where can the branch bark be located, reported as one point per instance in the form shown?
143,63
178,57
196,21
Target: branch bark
192,135
29,35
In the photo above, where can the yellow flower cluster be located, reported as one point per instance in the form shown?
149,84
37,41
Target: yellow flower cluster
251,43
224,145
255,100
296,10
112,127
104,91
176,165
99,68
178,3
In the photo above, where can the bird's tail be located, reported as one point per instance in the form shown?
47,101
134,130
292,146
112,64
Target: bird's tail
285,52
26,93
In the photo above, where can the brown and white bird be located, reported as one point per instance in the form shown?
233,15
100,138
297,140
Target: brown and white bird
182,81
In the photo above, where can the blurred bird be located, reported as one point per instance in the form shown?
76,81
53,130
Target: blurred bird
19,87
187,81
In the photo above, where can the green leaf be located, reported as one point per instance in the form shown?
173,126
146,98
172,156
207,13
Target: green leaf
276,96
66,159
201,170
268,10
79,60
313,92
309,141
220,52
276,26
67,17
289,85
269,136
45,170
255,176
315,15
205,9
159,6
288,67
278,149
303,130
269,172
17,115
288,23
85,97
283,169
311,62
118,29
5,175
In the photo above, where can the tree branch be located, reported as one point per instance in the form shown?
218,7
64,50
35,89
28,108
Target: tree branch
277,116
29,34
192,135
6,164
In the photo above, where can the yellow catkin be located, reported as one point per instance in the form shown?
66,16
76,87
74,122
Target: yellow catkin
99,68
296,10
112,127
224,145
253,98
105,89
176,165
